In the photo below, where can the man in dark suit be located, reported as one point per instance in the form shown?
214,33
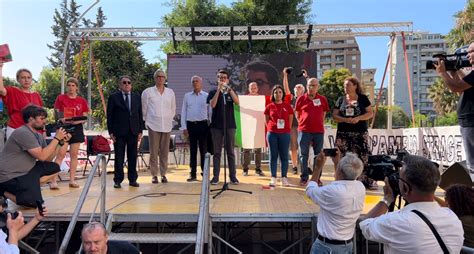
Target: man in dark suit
125,125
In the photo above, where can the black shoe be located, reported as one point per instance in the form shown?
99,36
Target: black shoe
245,172
234,181
215,181
259,172
134,184
117,186
154,179
191,179
295,170
163,179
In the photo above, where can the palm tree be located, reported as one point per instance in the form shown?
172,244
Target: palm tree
463,32
444,101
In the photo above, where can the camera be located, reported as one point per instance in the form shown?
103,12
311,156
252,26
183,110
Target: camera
289,70
381,166
452,62
330,152
5,212
50,128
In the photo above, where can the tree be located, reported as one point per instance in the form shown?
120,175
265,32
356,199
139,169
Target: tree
450,119
49,85
399,118
463,31
331,85
193,13
444,100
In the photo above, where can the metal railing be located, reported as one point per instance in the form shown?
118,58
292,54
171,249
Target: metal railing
100,159
203,220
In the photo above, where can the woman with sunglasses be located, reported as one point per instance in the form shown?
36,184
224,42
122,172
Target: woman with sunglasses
279,117
67,106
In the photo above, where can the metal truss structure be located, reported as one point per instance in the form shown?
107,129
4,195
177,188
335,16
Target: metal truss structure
239,33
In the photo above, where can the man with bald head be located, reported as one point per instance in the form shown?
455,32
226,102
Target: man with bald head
95,240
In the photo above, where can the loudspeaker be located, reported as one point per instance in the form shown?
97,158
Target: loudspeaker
456,173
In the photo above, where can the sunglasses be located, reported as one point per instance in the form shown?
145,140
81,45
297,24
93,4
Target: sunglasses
127,82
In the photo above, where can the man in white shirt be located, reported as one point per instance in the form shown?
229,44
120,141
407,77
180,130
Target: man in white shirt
195,116
404,231
340,202
159,108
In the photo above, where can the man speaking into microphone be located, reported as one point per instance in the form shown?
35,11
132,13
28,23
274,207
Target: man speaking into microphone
222,102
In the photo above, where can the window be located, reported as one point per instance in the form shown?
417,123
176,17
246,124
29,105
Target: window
354,66
350,41
354,58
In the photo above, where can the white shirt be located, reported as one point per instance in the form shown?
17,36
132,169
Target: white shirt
341,203
195,108
158,109
6,248
403,231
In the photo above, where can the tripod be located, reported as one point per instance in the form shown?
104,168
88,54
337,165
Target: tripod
225,187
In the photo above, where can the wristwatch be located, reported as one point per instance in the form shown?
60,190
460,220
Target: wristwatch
60,141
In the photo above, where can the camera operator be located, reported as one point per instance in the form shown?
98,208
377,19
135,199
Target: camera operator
340,202
405,230
457,82
26,158
17,230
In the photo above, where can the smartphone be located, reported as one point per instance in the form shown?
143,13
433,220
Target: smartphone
39,204
331,152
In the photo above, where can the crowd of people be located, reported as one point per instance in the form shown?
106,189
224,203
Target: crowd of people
294,122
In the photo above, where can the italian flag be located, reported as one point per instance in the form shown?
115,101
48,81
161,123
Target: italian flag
250,122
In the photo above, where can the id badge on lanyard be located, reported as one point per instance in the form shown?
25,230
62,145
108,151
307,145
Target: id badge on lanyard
317,102
280,124
349,111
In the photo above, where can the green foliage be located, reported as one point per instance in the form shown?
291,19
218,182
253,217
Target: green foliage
197,13
450,119
331,85
462,32
399,118
49,85
444,101
420,120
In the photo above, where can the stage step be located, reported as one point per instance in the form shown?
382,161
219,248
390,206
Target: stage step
154,237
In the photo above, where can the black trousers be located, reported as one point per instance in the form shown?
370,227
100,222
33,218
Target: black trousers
198,132
27,188
130,143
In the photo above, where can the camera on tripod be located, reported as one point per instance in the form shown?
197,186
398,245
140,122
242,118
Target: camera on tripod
381,166
452,62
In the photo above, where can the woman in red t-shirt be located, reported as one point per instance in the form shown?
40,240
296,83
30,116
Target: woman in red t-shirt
279,117
16,98
71,105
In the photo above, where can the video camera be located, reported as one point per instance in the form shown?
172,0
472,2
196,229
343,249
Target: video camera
69,128
452,62
289,70
381,166
5,212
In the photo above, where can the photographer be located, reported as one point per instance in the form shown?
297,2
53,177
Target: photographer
340,202
457,82
26,158
407,230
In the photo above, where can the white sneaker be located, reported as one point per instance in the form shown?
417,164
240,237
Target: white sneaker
284,181
272,181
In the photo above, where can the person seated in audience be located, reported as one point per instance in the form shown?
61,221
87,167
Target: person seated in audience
95,239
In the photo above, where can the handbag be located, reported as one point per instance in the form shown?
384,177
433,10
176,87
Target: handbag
100,144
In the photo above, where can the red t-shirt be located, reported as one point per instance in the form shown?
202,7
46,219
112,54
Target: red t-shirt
282,112
311,113
15,101
268,99
71,107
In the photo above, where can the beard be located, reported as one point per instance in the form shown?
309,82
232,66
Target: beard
38,127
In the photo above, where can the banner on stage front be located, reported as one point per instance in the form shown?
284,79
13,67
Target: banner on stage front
250,121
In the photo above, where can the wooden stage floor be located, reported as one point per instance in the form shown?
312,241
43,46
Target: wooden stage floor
178,200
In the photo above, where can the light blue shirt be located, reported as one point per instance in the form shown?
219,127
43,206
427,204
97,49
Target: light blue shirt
195,108
6,248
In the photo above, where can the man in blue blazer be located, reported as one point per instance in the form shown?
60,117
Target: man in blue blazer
125,125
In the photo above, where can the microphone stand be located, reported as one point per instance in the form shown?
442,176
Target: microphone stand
225,187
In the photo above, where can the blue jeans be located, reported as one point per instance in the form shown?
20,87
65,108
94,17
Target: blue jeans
467,134
320,247
279,144
304,140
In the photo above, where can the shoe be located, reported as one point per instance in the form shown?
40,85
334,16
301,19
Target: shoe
234,181
154,179
164,179
303,182
215,181
259,172
284,182
295,170
53,186
310,171
117,186
73,185
191,179
320,183
245,173
134,184
272,181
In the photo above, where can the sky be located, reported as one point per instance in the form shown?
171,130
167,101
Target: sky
26,24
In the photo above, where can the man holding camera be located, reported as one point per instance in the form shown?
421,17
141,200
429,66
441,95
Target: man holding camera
27,159
421,226
457,82
340,202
